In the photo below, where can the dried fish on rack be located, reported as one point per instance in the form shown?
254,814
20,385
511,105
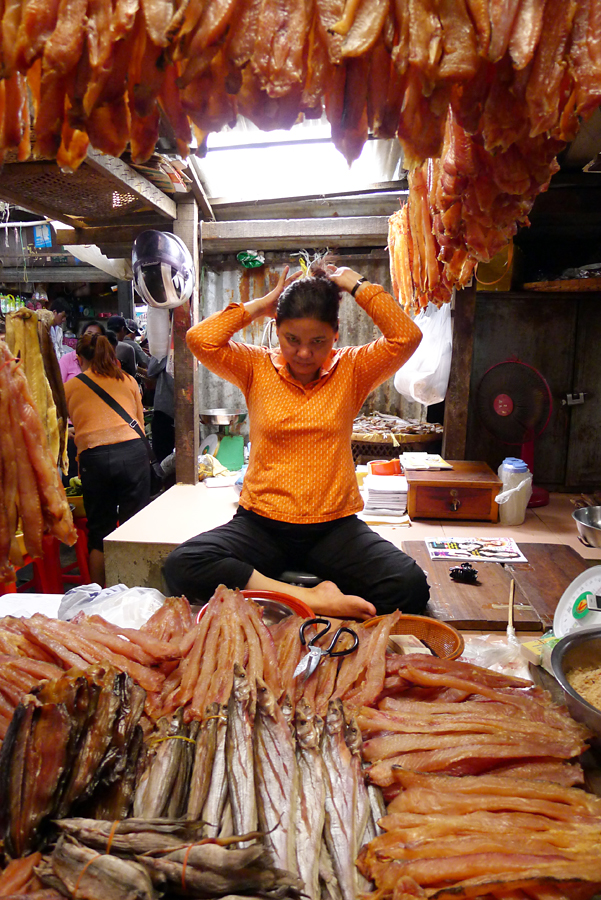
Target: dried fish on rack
29,479
29,340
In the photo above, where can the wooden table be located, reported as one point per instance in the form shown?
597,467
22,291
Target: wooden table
539,584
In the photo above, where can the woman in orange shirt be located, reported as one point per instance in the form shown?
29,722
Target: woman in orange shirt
300,495
113,460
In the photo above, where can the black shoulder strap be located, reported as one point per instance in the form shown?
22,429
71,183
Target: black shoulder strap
119,410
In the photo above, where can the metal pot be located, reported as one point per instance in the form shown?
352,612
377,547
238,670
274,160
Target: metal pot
222,416
588,523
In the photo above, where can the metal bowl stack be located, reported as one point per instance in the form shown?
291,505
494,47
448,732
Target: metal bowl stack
222,416
575,650
588,523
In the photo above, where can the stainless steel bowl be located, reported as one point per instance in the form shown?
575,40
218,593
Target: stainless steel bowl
222,416
588,523
580,648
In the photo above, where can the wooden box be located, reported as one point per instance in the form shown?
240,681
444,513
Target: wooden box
467,491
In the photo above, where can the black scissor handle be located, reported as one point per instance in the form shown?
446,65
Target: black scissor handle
343,630
306,625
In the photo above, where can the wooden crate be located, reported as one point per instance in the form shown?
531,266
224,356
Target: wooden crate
467,491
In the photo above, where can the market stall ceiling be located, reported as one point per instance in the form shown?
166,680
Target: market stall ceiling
244,164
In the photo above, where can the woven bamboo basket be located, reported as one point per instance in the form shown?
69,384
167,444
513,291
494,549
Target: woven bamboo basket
442,639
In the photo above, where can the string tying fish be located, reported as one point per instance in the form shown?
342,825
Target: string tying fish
216,716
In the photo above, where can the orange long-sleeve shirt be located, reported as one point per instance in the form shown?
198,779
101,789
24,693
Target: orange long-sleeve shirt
301,466
94,421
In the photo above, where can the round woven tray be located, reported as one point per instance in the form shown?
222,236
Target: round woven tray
442,639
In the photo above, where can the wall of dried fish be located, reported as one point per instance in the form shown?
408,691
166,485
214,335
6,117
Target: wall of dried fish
228,282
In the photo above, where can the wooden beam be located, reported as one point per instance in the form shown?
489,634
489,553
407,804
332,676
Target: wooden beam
114,234
187,425
54,274
458,392
130,181
194,172
294,234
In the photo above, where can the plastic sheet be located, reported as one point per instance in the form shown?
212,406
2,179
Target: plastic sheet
498,652
120,605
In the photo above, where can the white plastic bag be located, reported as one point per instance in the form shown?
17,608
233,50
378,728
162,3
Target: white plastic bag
425,376
119,605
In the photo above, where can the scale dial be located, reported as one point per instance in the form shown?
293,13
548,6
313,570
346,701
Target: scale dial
579,607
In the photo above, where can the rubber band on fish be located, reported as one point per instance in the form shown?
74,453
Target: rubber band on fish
216,716
112,834
172,737
184,866
221,842
85,868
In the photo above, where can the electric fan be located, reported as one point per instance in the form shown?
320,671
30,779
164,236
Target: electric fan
514,402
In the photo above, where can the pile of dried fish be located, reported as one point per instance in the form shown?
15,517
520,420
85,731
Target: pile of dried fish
380,426
73,740
479,774
357,679
137,858
28,338
103,73
30,484
463,208
231,631
18,675
476,836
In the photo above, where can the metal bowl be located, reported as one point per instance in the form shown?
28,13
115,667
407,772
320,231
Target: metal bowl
588,523
579,648
222,416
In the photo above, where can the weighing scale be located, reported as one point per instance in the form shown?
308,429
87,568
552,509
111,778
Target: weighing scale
225,446
580,605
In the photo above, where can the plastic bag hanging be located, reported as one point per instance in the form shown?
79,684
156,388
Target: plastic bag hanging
425,376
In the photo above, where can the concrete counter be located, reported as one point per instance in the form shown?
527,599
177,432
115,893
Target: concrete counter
135,552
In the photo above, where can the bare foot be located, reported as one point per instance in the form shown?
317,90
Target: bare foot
328,600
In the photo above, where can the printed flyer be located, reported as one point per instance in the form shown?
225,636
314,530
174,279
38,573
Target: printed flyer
482,549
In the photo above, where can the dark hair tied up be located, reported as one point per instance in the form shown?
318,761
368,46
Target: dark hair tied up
313,296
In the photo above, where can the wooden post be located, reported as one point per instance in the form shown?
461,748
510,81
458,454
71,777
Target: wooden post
458,392
187,428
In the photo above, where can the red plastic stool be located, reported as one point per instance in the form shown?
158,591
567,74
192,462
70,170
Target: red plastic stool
48,574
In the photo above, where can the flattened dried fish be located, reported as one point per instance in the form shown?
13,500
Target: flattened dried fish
157,784
98,876
275,778
340,801
212,810
311,797
239,755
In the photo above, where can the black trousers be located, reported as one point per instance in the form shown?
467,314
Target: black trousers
345,551
163,434
115,482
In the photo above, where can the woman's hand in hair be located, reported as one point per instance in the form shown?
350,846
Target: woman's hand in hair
266,306
345,278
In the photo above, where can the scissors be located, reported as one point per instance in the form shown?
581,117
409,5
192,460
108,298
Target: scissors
309,663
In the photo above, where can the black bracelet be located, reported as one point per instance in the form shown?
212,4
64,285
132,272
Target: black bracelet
358,284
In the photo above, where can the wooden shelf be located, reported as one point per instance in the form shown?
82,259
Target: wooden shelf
565,286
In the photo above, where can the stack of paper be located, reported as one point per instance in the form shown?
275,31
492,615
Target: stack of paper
385,494
416,461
